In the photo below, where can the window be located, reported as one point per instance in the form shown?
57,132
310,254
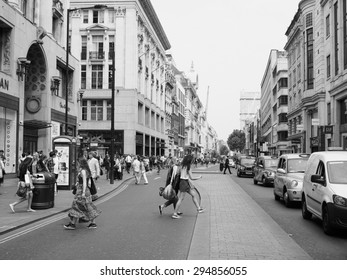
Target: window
282,100
283,83
329,113
343,105
111,16
282,118
344,35
336,39
110,79
294,77
85,16
96,110
97,72
309,20
98,16
328,67
84,48
98,47
140,113
84,110
310,58
83,76
108,109
110,47
147,120
327,26
5,49
299,73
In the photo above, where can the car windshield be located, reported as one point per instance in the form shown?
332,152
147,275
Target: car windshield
297,165
271,163
247,161
337,172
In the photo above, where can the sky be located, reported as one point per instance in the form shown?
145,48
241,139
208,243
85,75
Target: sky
229,42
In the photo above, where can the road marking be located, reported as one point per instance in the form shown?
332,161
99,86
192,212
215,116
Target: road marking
156,178
59,217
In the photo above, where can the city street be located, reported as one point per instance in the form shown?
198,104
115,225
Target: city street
233,226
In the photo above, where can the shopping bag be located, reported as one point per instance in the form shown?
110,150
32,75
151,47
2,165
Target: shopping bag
169,192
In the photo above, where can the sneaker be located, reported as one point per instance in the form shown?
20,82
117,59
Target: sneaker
31,210
201,210
70,226
161,209
12,208
179,213
92,226
176,216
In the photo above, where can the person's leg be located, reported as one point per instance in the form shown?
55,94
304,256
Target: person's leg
145,178
229,169
12,205
178,204
194,195
30,199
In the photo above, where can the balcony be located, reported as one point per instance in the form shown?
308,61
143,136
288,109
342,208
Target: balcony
57,9
96,55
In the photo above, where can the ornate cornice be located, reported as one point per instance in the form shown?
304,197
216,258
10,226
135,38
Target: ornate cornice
154,20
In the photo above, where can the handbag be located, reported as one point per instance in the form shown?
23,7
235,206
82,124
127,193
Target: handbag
92,187
169,192
21,191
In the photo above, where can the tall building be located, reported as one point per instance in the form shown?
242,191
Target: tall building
249,104
34,103
274,104
132,31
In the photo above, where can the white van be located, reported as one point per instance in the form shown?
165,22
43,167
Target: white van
325,189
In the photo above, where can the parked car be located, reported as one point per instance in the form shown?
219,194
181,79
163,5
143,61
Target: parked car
231,163
264,170
245,166
325,189
289,176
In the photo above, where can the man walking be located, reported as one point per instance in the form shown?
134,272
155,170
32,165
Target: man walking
226,165
136,168
128,163
95,171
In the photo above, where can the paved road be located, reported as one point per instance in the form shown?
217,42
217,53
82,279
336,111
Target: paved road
129,228
308,234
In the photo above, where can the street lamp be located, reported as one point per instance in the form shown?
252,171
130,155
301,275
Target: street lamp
112,117
67,59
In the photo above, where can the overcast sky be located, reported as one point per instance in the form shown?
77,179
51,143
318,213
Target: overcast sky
229,42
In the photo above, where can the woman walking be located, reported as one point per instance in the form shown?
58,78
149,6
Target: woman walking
187,187
24,171
2,172
82,205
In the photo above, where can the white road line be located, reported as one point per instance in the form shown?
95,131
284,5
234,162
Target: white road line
156,178
58,217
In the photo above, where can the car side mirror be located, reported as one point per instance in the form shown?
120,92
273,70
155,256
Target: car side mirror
281,171
318,179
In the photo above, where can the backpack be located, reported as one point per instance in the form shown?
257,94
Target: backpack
176,180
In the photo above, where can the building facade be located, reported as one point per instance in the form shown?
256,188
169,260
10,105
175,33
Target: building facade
132,32
274,104
34,77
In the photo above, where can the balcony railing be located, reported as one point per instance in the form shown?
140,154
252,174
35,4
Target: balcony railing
97,55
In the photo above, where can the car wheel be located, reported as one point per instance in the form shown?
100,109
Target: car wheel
305,213
255,181
286,198
277,197
327,227
263,181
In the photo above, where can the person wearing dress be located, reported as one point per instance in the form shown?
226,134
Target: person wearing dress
186,186
82,206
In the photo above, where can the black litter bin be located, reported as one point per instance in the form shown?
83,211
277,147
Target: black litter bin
43,197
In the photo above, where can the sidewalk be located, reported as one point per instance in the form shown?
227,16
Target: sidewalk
11,221
235,227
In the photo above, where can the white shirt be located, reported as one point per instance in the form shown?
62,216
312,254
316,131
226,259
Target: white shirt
56,165
94,167
136,165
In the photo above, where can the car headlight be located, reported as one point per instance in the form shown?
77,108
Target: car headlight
294,184
242,168
339,200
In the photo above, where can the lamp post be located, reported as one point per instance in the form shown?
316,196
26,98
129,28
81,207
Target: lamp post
68,11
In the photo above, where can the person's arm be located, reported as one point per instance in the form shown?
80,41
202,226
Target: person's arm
190,174
85,182
97,165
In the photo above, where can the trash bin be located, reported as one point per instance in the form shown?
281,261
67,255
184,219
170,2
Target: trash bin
43,193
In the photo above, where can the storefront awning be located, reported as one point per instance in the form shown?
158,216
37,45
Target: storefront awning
36,124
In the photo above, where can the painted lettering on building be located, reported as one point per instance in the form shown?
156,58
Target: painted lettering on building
4,84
